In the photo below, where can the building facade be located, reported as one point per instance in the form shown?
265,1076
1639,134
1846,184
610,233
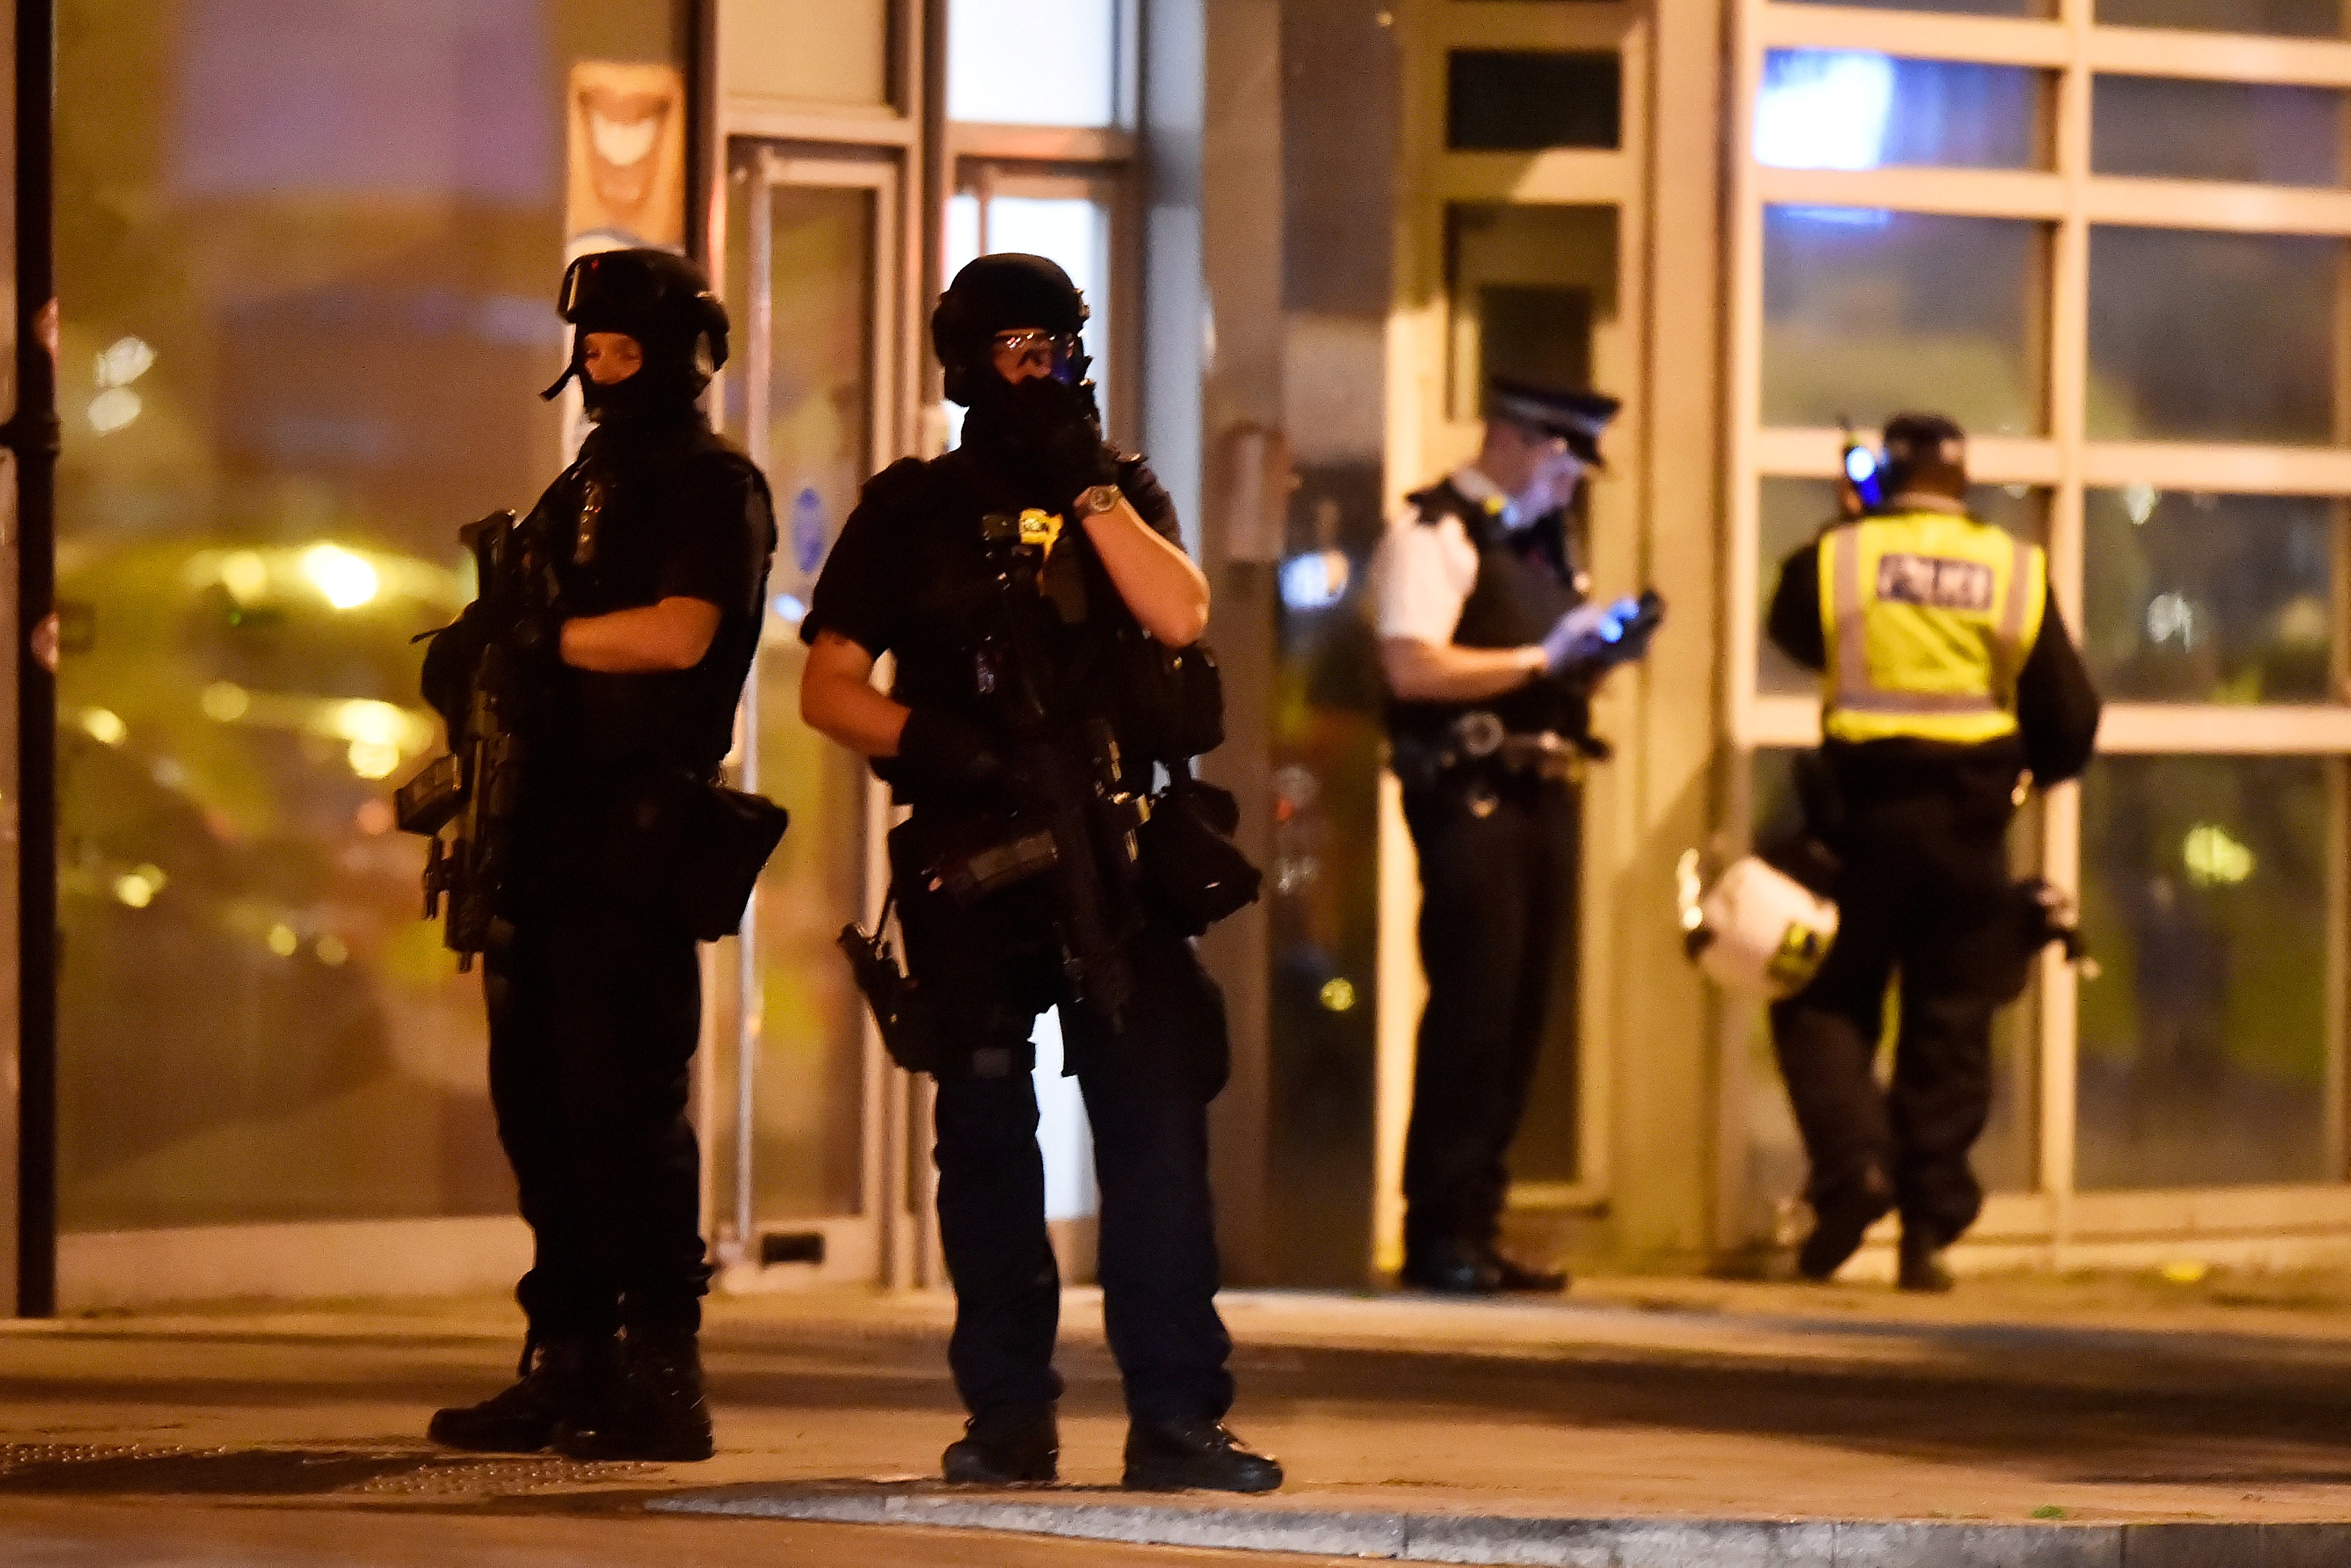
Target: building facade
307,265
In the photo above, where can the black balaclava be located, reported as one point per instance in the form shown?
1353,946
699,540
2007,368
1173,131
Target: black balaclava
665,303
1013,423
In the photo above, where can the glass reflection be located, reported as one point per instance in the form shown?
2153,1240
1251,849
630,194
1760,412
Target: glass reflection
2203,1048
2208,598
1868,313
2212,337
2262,134
1840,108
310,253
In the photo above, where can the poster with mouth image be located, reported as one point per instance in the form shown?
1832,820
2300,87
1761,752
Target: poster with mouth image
624,135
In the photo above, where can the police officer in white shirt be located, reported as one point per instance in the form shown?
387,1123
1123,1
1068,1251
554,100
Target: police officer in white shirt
1491,652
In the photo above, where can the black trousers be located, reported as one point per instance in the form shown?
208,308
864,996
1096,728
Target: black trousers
1498,899
1924,896
595,1010
1146,1090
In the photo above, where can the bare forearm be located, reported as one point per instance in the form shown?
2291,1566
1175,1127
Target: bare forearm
853,713
1158,581
672,635
1421,671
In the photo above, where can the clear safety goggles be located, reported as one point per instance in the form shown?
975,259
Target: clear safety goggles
1057,354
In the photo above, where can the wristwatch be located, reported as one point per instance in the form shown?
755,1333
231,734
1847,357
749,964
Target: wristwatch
1098,499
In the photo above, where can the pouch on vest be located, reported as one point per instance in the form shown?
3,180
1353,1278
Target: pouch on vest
1194,871
695,850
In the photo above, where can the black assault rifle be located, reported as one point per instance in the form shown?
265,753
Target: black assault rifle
1065,781
466,801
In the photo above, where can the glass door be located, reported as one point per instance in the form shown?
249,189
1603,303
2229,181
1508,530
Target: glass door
797,1095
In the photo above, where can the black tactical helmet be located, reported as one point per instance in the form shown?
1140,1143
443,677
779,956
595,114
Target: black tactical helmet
660,299
997,293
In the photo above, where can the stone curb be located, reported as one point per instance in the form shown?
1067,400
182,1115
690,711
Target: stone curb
1550,1542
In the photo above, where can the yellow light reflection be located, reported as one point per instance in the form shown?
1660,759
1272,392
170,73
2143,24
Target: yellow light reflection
105,726
225,702
1338,995
113,408
283,942
331,950
246,576
365,719
373,760
138,888
2215,858
344,580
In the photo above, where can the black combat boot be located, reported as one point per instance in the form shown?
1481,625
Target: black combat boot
561,1376
1180,1455
653,1409
1840,1218
1013,1445
1452,1269
1922,1264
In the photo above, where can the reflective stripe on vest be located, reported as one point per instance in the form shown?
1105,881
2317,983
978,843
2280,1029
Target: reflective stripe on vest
1928,618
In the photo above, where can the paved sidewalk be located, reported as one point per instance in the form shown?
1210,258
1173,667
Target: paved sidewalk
2064,1409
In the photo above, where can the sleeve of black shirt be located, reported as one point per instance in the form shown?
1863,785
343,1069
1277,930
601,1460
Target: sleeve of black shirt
859,594
720,551
2056,706
1150,499
1795,620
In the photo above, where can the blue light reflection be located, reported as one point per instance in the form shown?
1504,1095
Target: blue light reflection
1823,108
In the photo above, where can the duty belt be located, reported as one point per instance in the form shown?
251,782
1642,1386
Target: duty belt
1478,753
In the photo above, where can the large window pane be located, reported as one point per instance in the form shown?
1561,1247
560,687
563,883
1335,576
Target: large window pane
1841,109
1034,62
2208,598
310,253
2210,337
1869,313
2203,1044
2265,135
1793,512
2296,19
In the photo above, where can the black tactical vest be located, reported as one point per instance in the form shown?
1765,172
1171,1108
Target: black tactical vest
1524,583
1098,656
636,491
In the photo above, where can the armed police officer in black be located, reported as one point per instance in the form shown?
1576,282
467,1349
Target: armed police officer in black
1490,649
979,735
658,540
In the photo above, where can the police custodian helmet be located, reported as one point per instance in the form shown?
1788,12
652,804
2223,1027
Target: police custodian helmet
660,299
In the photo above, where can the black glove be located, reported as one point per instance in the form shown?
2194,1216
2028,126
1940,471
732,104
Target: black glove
1074,460
536,636
945,745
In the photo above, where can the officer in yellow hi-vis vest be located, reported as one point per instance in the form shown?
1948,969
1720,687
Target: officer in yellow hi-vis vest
1948,682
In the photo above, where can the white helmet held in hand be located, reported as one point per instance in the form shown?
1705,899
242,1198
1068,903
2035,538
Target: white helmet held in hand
1756,931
